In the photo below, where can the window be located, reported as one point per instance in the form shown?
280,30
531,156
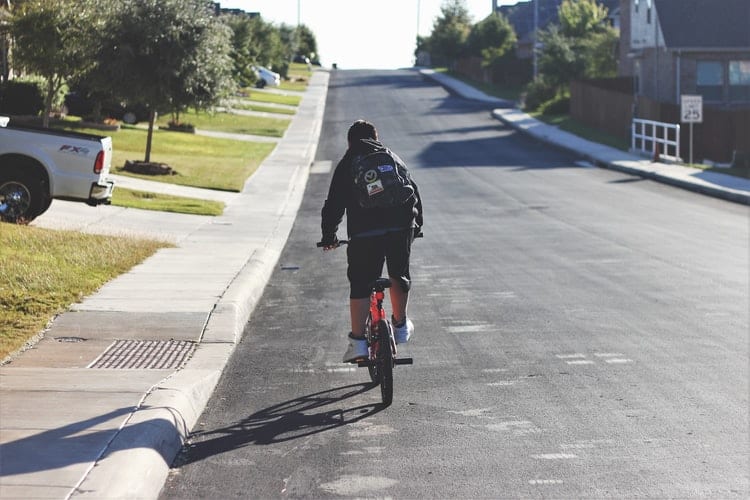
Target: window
739,80
710,81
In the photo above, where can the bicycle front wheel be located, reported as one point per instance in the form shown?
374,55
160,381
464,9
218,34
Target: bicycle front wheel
385,362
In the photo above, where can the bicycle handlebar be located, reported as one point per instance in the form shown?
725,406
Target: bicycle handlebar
339,243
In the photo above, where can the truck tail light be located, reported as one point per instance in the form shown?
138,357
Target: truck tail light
99,163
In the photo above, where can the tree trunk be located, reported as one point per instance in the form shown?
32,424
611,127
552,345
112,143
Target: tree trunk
151,120
48,102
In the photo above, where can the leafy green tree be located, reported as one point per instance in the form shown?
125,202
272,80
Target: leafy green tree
491,38
307,46
165,55
244,48
582,46
580,18
52,40
449,32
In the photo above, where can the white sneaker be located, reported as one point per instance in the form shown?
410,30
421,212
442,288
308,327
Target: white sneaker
357,349
403,333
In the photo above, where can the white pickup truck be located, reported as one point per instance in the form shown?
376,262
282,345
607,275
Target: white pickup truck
39,165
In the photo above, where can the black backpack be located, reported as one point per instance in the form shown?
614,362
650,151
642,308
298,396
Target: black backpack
380,177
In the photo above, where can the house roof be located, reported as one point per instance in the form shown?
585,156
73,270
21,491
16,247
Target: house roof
521,15
705,24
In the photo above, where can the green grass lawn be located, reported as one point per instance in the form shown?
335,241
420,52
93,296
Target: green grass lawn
260,96
232,123
46,271
565,122
130,198
264,109
200,161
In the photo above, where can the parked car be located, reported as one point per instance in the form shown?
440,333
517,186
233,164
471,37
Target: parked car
38,165
78,105
266,77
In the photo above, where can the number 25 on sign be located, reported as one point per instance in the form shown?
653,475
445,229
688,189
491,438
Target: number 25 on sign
691,111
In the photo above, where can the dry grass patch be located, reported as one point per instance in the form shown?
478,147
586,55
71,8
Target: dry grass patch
43,272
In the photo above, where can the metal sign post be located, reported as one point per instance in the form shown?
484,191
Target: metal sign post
691,111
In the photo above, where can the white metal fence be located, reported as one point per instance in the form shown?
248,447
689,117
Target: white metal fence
651,137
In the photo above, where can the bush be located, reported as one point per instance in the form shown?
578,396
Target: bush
559,105
537,93
21,98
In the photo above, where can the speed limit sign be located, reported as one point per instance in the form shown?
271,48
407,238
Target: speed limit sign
691,110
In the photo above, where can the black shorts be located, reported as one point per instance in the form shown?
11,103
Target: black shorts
367,255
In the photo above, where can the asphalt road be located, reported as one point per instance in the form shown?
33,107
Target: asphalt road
580,333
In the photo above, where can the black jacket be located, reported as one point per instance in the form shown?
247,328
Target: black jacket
342,198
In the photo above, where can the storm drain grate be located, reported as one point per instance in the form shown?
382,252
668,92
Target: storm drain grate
145,354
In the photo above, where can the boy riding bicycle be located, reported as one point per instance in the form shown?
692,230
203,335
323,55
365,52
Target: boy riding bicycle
377,234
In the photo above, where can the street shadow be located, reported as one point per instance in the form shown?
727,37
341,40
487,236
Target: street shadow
513,151
294,419
58,448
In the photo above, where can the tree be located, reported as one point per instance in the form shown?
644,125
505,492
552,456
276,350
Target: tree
491,39
582,46
165,55
449,32
53,40
306,43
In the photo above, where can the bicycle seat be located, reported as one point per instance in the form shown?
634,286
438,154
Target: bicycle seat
380,284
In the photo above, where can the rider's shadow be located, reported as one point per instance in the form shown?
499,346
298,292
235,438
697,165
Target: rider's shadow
287,421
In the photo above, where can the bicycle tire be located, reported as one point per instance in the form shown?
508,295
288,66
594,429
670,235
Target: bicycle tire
385,362
373,368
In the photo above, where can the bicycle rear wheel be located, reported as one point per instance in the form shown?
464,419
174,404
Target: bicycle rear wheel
373,368
385,362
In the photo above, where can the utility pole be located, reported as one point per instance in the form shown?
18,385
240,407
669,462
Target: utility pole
536,35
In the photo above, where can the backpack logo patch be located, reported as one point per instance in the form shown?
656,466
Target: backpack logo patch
381,179
371,176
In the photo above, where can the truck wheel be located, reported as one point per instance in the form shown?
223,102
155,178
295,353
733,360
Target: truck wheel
21,198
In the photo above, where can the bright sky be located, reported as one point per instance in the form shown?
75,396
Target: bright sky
377,34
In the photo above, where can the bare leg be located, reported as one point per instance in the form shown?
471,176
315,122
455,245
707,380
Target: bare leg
359,309
399,301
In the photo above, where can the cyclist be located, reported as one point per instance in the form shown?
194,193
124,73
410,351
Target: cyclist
376,235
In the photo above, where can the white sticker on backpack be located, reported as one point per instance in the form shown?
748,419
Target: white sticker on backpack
374,188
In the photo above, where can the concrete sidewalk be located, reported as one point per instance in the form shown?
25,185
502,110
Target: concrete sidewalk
715,184
100,406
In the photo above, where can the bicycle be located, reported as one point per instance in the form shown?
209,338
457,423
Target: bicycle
381,344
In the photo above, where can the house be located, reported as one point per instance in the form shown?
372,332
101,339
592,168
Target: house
521,17
675,47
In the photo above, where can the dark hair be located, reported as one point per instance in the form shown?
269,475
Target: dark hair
361,129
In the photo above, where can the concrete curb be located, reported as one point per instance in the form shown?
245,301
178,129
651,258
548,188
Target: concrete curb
601,155
171,408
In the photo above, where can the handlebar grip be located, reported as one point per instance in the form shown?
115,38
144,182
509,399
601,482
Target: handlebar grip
339,243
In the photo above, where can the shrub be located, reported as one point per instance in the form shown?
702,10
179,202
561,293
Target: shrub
21,98
559,105
537,93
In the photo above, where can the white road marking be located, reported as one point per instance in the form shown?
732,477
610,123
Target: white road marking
494,370
581,362
607,354
520,427
570,356
618,361
470,328
501,383
555,456
545,481
351,485
477,412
